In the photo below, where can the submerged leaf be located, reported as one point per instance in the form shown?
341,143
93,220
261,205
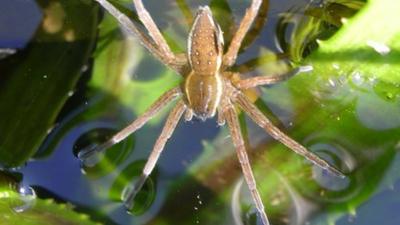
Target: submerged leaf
37,81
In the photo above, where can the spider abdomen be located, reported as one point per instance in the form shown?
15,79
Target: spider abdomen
203,94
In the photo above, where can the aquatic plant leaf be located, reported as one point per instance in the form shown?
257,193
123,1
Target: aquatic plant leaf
37,80
40,212
368,44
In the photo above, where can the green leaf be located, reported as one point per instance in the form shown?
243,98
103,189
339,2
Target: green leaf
368,44
14,210
38,80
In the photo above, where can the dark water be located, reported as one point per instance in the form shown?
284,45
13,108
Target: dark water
350,121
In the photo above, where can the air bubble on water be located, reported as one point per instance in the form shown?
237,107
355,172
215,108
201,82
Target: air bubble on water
389,95
380,48
84,68
332,83
372,79
344,20
276,200
356,78
199,199
50,129
306,68
28,196
4,52
335,66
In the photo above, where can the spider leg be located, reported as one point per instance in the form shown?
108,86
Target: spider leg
234,128
265,80
159,104
261,80
258,117
153,30
251,13
258,26
162,53
166,133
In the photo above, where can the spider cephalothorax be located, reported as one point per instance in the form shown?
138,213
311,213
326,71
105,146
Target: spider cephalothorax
208,88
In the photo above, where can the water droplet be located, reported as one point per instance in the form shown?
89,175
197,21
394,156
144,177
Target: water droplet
389,95
335,66
305,69
344,20
28,196
4,52
387,91
356,78
332,83
380,48
84,68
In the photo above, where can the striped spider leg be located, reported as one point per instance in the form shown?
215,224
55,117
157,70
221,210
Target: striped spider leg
208,88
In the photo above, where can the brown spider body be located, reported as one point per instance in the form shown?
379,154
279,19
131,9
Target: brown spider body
203,86
207,88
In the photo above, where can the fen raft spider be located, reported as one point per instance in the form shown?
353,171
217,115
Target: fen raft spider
208,88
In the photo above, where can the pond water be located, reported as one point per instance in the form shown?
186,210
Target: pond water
79,79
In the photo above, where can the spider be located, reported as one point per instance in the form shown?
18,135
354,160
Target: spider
208,88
